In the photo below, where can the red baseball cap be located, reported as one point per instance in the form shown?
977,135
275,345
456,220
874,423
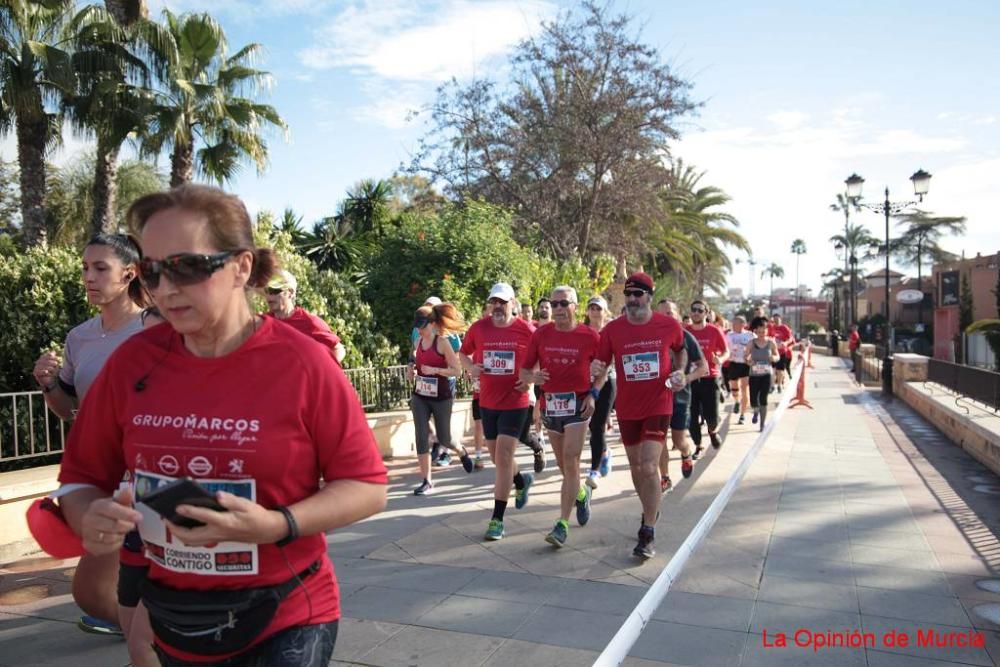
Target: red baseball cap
49,528
640,280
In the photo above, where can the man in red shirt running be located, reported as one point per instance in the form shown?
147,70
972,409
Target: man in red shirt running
494,351
705,390
280,294
785,339
640,343
562,353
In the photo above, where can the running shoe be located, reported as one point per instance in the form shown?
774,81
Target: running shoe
583,507
761,424
539,460
644,548
467,462
479,465
521,495
605,468
714,437
494,531
666,486
559,534
592,478
425,489
742,420
698,449
444,461
687,466
736,408
756,416
98,626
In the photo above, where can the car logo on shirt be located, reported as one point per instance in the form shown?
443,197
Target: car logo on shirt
199,466
169,465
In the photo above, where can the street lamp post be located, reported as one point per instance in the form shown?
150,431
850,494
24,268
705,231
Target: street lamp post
921,183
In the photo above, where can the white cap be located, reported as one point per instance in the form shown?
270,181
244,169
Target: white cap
283,280
502,291
432,301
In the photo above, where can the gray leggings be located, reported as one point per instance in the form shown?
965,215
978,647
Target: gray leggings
422,410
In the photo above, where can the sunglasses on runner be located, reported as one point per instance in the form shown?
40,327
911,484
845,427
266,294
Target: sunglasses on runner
697,309
562,303
495,301
420,322
182,269
274,291
635,293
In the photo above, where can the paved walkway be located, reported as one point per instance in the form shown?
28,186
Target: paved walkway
855,516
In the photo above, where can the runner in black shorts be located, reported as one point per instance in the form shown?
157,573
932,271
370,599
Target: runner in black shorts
493,352
558,360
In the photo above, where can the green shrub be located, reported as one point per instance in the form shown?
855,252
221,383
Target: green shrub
41,298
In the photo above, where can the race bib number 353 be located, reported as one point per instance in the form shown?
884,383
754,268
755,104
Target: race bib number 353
641,366
498,362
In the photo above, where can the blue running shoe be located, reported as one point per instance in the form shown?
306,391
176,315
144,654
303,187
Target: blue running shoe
494,531
559,534
605,467
521,495
97,626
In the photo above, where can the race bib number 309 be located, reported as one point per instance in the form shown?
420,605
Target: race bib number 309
641,366
498,362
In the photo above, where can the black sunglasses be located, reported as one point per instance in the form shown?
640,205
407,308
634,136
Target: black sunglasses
494,301
420,322
274,291
636,293
695,309
562,303
183,268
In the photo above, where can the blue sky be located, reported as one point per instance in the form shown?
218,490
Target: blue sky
797,96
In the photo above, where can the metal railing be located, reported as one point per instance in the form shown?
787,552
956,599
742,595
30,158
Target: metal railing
977,384
30,434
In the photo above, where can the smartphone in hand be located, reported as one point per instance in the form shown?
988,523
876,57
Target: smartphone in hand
184,491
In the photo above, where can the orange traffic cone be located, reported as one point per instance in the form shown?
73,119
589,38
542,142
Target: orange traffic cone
800,389
809,355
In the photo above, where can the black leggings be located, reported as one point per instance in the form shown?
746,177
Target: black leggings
599,421
423,409
760,386
704,403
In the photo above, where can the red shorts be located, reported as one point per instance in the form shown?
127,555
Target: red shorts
635,431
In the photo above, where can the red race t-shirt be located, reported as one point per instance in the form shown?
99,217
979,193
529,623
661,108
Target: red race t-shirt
566,355
265,422
642,363
854,341
501,352
711,340
783,336
312,326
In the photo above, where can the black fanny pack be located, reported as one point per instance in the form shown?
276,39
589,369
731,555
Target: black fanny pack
215,622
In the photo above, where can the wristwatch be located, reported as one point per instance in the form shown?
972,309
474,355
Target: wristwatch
595,392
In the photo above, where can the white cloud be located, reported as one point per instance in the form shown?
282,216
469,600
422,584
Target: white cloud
397,41
788,120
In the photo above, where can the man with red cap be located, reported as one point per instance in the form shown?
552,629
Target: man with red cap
641,344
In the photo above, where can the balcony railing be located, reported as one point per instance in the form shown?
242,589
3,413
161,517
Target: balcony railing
976,384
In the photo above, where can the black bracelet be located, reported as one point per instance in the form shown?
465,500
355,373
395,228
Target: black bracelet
293,527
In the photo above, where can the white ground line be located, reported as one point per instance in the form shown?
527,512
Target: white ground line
628,634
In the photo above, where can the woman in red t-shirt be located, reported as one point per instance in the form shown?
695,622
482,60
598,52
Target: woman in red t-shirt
258,413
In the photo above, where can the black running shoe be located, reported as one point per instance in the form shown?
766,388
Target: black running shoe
539,459
644,548
696,454
467,462
716,442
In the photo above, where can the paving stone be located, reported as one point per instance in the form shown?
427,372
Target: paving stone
936,609
928,582
567,627
513,587
497,618
785,618
883,659
757,653
708,611
356,637
415,646
689,644
785,590
517,652
390,604
966,655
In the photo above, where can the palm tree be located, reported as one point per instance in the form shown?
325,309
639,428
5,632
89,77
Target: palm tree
773,271
204,105
366,208
35,74
798,249
845,204
332,245
114,64
858,244
693,210
921,235
835,283
127,12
